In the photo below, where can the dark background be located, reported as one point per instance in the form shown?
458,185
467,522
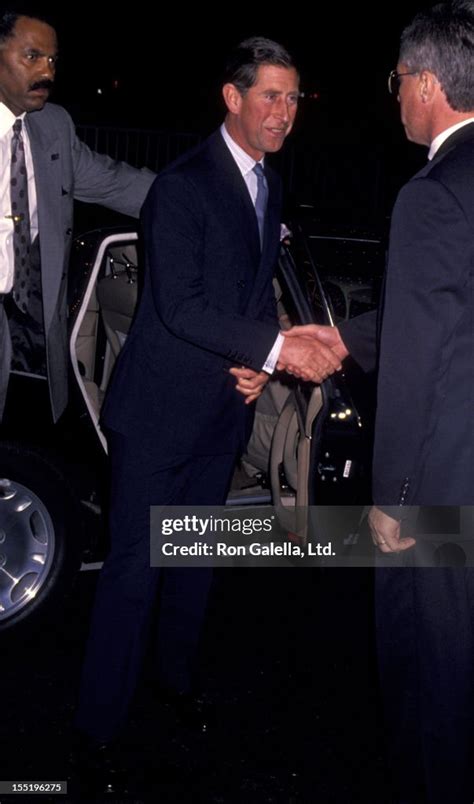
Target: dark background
161,68
293,664
168,64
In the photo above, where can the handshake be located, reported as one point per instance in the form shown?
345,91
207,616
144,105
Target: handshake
310,352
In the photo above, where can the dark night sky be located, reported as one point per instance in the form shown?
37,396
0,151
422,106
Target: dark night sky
168,70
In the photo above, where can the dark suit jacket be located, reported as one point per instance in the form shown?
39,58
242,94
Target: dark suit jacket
207,304
65,169
424,435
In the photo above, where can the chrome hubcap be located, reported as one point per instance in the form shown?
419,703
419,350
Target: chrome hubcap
26,546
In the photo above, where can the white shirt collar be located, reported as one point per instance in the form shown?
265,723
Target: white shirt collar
244,161
438,141
7,118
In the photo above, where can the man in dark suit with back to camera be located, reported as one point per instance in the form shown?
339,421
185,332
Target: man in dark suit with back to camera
175,420
45,167
424,437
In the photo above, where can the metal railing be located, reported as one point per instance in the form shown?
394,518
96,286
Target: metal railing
334,180
138,147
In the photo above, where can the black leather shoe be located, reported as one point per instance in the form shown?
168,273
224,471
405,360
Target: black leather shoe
191,710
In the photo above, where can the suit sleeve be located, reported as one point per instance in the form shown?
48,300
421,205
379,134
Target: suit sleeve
101,180
360,339
176,228
425,299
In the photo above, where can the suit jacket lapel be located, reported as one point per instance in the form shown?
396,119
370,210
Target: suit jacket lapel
234,197
45,151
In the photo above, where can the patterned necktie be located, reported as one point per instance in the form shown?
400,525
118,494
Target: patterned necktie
21,218
261,200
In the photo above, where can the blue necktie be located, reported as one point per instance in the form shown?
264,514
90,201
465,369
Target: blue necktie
261,200
21,218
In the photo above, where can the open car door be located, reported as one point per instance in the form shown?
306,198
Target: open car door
309,447
317,453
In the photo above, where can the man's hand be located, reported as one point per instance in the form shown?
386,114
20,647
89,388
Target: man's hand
386,532
328,335
307,357
250,383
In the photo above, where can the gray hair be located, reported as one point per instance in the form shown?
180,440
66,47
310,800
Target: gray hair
441,39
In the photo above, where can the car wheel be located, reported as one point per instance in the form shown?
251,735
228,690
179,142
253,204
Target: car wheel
40,537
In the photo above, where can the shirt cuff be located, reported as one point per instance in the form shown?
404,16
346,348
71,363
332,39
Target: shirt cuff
272,359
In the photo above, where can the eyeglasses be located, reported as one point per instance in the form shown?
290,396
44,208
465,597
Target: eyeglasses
394,81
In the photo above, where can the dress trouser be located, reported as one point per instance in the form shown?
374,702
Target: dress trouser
425,639
22,345
5,356
128,587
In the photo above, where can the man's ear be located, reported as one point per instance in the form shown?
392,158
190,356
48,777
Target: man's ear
428,84
232,98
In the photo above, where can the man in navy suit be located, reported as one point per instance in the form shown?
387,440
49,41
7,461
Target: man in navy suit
424,438
175,419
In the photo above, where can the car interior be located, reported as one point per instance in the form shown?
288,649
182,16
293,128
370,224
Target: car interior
276,466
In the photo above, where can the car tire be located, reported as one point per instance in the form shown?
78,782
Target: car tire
40,537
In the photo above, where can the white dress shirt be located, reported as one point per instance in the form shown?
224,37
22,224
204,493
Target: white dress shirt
7,263
246,164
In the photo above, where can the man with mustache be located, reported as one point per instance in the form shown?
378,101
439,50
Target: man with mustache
46,168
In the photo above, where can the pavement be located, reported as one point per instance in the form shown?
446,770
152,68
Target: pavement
288,657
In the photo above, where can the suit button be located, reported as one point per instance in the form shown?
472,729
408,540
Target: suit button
68,231
241,283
